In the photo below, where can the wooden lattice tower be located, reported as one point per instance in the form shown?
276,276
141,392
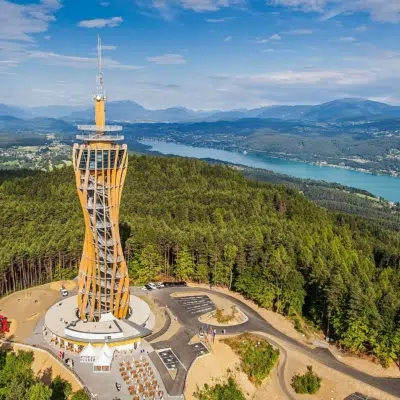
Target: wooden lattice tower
100,165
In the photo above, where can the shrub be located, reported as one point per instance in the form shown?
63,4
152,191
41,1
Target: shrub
80,395
298,326
258,357
222,318
308,383
226,391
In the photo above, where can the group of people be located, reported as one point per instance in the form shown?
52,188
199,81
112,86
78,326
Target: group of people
68,361
208,330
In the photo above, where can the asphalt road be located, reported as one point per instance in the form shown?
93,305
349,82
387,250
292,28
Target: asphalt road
255,323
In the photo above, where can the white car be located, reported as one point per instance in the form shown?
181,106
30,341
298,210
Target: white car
64,292
152,285
160,285
143,287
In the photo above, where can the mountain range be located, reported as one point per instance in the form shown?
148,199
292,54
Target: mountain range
130,111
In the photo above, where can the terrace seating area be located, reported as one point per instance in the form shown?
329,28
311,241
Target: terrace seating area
140,379
62,344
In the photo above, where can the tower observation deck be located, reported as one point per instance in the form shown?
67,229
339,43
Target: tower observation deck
100,165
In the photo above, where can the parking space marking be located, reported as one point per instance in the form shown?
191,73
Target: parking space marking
196,304
359,396
169,359
199,349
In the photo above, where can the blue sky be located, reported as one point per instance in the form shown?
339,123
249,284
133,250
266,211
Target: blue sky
201,54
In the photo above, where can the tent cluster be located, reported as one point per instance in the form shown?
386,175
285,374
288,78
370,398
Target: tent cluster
100,357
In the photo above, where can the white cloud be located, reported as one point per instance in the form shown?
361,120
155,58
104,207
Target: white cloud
268,39
47,37
168,8
108,47
301,32
219,20
168,59
19,22
380,10
281,86
361,28
348,39
228,38
276,37
56,59
104,3
101,23
261,40
268,50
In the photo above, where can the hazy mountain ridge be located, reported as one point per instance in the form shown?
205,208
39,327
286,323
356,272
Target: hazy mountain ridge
130,111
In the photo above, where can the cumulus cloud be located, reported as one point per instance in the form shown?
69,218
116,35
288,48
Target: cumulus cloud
20,21
228,38
168,59
380,10
168,8
101,23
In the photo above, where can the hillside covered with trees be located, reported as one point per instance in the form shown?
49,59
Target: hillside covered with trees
185,219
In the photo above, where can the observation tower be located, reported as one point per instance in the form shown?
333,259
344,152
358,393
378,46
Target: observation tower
102,311
100,165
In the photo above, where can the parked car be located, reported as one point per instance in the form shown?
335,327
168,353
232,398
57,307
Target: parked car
152,285
159,285
148,287
143,287
174,284
63,291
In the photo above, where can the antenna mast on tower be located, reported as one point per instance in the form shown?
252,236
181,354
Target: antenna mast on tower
100,88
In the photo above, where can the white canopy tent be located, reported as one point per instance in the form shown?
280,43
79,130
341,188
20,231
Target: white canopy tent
108,350
102,363
89,354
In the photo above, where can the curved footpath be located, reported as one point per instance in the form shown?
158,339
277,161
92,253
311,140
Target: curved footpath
164,329
256,323
281,365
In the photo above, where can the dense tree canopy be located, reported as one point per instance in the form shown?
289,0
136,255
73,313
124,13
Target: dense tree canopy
17,380
186,219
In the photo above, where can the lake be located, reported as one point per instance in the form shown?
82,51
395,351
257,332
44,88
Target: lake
384,186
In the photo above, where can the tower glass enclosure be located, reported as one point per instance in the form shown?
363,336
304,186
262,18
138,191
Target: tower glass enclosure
100,165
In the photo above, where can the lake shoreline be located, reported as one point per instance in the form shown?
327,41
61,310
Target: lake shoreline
385,186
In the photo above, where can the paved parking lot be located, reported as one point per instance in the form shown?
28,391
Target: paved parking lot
169,358
359,396
196,304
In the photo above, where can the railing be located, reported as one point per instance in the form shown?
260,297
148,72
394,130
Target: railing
95,128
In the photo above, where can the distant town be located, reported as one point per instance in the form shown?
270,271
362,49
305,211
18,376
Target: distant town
45,158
